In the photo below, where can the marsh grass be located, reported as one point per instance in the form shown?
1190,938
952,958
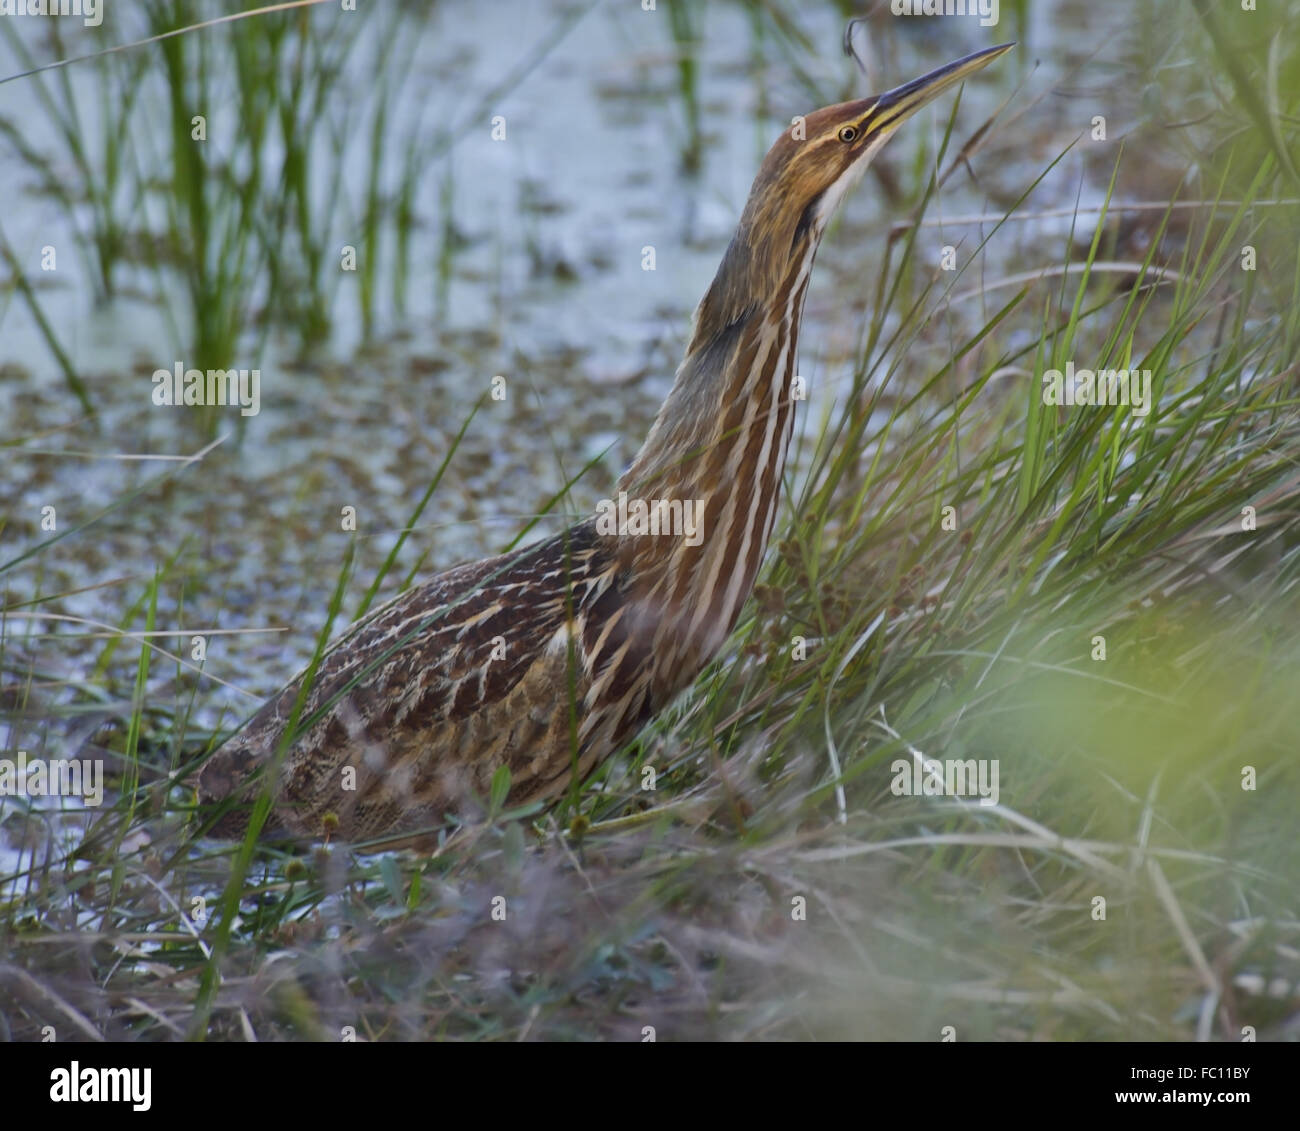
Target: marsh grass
237,219
260,219
685,25
96,146
772,884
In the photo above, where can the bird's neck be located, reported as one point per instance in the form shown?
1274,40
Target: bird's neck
718,447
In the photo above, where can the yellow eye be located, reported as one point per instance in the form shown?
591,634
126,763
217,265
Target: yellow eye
848,133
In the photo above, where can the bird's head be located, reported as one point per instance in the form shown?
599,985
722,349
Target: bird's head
804,177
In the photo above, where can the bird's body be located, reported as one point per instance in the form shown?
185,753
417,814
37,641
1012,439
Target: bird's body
547,659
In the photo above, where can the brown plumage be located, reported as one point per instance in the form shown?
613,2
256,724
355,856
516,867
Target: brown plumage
549,658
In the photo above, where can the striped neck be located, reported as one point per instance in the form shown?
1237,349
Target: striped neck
719,443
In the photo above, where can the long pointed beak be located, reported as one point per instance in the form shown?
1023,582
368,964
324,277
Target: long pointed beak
902,102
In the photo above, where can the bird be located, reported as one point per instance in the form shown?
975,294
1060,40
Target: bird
547,659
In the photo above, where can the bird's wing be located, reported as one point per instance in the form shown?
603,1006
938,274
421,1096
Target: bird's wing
425,698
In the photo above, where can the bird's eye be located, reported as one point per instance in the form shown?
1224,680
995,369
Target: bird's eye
848,133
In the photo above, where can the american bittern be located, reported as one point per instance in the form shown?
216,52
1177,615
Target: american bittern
547,659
